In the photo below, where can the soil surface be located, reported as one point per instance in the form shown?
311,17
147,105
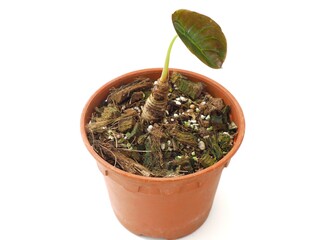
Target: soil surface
194,132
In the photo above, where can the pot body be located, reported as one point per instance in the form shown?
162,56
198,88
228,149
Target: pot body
163,207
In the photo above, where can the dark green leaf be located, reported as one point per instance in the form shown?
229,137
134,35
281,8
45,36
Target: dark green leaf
202,36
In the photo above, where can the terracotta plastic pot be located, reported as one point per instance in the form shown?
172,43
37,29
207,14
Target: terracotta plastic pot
162,207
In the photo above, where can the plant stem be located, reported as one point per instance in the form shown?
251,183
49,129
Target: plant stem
156,104
164,74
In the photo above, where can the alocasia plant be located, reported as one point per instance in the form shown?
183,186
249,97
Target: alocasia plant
204,38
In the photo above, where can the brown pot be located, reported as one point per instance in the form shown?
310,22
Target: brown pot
162,207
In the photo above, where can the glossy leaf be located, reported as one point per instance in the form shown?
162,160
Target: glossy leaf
202,36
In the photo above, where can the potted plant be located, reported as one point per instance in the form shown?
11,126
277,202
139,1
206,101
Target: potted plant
161,137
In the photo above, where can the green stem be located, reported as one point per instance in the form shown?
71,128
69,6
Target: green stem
165,70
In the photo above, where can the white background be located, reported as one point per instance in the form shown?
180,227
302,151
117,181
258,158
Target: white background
55,54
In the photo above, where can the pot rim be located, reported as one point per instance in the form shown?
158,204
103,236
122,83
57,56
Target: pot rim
222,162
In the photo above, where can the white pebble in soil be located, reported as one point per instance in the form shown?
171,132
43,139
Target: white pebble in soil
149,128
201,145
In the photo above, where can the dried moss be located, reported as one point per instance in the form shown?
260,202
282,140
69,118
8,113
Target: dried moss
193,133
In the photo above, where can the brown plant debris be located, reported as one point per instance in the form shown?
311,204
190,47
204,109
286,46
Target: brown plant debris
121,160
124,92
188,88
192,133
